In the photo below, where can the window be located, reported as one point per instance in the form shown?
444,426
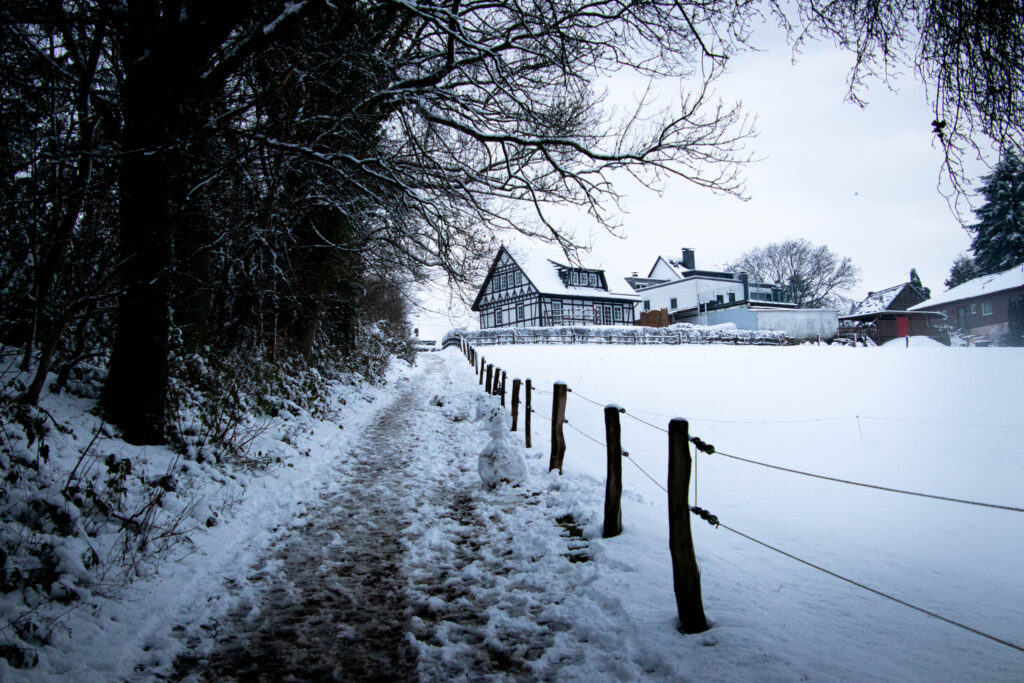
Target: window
986,308
618,314
672,303
647,305
593,280
974,308
556,312
519,277
607,314
497,317
504,281
719,298
519,312
575,277
732,297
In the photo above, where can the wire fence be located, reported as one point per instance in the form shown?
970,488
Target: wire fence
707,448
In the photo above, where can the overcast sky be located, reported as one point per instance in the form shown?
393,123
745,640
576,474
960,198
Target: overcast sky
862,181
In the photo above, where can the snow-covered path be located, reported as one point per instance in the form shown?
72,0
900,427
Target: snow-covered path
407,568
329,601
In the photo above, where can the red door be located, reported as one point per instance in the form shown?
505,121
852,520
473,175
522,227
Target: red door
902,326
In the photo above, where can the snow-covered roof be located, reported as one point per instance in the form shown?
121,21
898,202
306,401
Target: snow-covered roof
878,301
675,266
541,263
979,286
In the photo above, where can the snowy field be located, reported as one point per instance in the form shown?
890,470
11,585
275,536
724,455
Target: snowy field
943,421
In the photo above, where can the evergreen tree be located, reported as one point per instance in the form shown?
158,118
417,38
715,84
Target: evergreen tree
998,241
962,270
915,280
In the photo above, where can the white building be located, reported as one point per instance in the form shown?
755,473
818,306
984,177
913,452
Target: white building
710,297
688,293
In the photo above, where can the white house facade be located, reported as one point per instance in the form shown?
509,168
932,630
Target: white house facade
529,289
688,293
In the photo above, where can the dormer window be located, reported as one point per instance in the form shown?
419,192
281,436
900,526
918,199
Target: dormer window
577,277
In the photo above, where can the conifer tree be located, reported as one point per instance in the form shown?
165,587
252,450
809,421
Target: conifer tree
998,241
962,270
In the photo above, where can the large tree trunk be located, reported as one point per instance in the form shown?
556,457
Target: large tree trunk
165,52
135,395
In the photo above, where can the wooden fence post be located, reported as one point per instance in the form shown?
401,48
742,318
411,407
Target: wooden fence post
515,403
528,406
488,387
482,361
503,379
613,480
557,421
685,573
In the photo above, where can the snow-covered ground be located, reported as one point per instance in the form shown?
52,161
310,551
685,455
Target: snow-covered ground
944,421
492,585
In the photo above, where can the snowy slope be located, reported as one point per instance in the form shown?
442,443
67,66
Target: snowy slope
937,420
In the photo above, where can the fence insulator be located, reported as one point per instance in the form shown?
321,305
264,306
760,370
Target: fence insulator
702,446
705,515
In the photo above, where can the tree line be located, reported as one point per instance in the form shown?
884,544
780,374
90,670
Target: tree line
273,176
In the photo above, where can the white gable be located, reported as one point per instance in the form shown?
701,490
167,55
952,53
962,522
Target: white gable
663,270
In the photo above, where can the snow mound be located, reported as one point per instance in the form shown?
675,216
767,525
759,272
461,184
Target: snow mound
503,459
916,341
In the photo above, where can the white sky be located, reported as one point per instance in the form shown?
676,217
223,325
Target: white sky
863,181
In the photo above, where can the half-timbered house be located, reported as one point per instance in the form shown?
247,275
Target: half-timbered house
531,289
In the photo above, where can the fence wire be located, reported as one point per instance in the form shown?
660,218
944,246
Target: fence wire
874,590
876,487
869,486
807,563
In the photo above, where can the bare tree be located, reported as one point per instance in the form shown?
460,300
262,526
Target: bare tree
813,274
969,55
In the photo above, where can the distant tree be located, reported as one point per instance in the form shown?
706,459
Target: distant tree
915,280
963,269
998,241
812,273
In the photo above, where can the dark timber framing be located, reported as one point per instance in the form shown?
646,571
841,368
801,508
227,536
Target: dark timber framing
509,299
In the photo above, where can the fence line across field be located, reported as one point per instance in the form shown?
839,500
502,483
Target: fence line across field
687,581
838,480
841,417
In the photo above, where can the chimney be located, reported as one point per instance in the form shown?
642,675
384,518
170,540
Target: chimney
688,260
745,279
